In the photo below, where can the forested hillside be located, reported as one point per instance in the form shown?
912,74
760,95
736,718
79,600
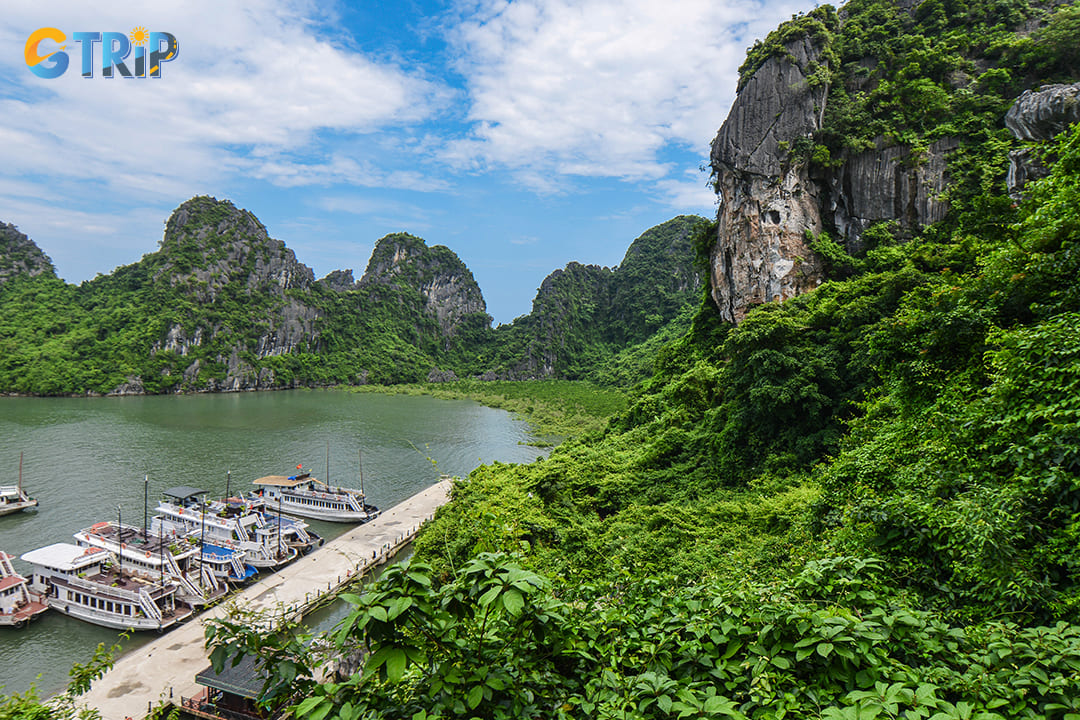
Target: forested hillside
860,502
221,306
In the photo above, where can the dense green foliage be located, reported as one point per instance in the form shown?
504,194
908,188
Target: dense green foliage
861,503
222,306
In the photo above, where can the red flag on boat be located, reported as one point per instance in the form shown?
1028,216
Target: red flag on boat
300,466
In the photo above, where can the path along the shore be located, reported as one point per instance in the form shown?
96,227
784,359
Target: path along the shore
165,669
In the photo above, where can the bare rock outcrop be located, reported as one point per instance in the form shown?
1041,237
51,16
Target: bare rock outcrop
1038,116
449,291
767,204
19,255
889,182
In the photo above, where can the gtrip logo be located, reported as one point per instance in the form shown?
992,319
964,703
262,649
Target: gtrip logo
115,49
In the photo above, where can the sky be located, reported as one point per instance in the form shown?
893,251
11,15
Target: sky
522,135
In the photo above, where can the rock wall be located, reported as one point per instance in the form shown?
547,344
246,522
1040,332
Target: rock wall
770,204
767,204
447,286
888,183
1038,116
19,255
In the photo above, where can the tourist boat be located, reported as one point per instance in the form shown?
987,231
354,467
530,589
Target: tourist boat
184,513
153,557
305,496
90,584
295,532
13,498
18,605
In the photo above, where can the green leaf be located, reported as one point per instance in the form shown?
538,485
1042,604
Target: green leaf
513,602
824,649
476,694
395,664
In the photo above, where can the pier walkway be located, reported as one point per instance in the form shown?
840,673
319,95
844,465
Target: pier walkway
165,669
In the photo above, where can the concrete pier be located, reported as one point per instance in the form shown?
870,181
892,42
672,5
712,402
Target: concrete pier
165,669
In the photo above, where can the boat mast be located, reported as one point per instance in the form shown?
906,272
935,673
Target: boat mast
202,544
120,539
327,463
228,477
20,475
145,503
361,473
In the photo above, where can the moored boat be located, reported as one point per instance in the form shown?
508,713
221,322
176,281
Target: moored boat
18,605
13,498
153,557
308,497
185,513
89,583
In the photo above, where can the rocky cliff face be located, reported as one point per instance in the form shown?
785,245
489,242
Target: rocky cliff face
447,286
19,255
779,186
1038,116
767,203
217,254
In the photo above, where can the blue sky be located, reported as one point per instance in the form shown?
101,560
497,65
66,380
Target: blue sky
522,135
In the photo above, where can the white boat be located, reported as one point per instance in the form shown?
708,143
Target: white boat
295,532
13,499
305,496
153,557
184,513
18,606
89,584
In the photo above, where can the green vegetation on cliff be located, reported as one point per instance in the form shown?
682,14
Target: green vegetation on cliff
861,503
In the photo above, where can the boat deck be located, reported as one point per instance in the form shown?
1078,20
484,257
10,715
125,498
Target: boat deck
24,614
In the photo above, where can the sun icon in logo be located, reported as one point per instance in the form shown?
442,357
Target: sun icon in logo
138,35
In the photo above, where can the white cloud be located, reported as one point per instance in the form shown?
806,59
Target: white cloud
599,88
689,194
252,82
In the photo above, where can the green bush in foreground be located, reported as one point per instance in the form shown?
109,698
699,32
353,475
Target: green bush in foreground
499,641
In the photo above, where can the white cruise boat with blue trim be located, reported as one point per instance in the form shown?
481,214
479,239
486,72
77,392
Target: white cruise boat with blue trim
153,557
185,513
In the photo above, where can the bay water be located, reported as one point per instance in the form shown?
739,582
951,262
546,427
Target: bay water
85,461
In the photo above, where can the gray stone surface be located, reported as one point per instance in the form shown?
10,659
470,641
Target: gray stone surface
1043,113
777,105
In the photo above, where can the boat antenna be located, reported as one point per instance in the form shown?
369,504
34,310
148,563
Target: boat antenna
361,473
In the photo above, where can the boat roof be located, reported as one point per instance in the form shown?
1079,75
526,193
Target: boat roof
11,581
282,481
64,556
12,490
183,492
241,679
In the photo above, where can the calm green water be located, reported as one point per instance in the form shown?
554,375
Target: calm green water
85,457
